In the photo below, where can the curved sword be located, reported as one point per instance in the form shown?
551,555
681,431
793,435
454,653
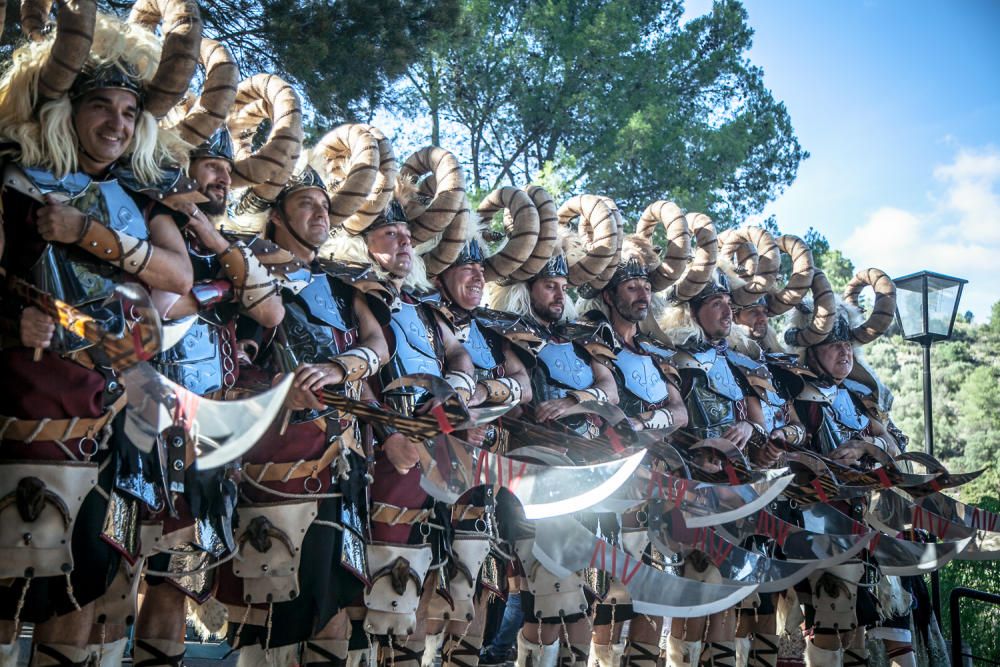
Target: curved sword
225,429
667,533
450,467
798,543
893,511
564,546
895,556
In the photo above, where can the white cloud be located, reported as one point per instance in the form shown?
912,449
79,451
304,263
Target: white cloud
958,234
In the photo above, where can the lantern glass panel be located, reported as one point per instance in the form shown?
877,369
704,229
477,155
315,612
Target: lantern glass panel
942,295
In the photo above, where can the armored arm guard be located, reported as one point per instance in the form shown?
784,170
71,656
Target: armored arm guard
358,363
502,391
125,251
252,283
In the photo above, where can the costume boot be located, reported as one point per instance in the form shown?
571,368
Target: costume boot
110,654
856,657
358,658
8,655
902,657
681,653
254,655
574,655
719,654
823,657
743,645
404,652
59,655
432,648
602,655
461,651
157,653
640,654
325,653
764,651
537,655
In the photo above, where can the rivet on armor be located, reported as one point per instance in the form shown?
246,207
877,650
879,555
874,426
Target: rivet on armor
270,598
27,539
93,244
178,465
395,604
264,568
66,567
177,441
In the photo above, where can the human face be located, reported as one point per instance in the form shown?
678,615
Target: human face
214,176
464,284
715,316
105,123
755,319
392,247
548,298
835,359
630,299
306,215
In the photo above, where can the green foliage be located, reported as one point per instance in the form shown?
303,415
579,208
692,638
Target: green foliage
646,107
838,269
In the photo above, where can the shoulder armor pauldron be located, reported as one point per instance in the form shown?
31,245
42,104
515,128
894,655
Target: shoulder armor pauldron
173,182
812,392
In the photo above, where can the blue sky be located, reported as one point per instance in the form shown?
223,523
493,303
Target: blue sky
899,105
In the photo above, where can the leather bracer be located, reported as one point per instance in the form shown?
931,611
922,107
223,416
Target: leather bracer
251,281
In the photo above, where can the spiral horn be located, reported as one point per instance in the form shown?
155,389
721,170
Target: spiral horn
678,250
884,308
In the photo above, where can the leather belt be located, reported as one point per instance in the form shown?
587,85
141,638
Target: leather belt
45,429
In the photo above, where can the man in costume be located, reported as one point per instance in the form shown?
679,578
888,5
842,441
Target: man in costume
229,280
717,384
499,345
75,225
569,370
407,526
305,481
840,423
649,395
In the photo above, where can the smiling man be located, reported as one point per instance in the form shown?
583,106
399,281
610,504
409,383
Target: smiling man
313,461
76,225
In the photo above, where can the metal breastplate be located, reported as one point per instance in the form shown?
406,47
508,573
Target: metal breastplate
563,366
316,322
73,275
640,377
197,362
416,351
480,349
774,411
842,420
708,412
720,376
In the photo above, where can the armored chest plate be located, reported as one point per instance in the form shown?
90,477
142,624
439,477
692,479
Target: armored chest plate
641,376
480,348
846,412
565,367
310,340
319,299
415,349
123,214
721,378
196,362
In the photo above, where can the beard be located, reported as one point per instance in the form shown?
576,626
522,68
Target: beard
632,312
213,207
550,313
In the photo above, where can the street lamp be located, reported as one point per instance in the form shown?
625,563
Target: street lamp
926,306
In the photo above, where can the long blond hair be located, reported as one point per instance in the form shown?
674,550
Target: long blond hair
344,247
47,139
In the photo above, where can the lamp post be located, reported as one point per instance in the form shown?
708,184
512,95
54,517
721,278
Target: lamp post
926,306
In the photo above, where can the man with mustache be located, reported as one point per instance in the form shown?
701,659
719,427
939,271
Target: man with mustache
721,404
306,477
229,281
649,395
569,370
